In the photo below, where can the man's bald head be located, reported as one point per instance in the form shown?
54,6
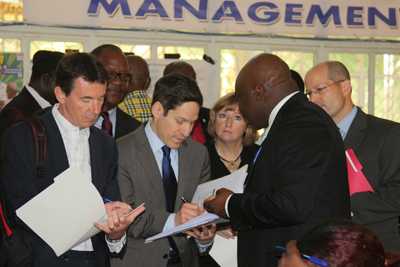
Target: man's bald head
139,70
260,85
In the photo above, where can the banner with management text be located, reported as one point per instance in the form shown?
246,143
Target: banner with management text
354,18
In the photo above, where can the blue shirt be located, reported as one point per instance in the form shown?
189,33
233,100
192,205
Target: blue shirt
345,123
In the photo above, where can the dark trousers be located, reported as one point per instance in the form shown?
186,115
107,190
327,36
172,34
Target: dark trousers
69,259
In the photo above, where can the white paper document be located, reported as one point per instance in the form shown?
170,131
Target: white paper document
224,251
204,218
233,182
63,214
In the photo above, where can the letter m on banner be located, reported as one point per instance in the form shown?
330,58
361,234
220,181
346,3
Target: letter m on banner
110,7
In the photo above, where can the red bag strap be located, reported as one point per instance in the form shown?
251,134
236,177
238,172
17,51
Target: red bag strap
7,228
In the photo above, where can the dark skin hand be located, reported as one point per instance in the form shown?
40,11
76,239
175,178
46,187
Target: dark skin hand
216,204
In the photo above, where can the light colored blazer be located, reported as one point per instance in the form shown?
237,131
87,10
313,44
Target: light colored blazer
140,181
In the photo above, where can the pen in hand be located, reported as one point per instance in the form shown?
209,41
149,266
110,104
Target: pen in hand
312,259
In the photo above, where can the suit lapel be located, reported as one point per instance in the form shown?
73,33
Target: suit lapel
149,165
184,173
95,160
57,153
356,131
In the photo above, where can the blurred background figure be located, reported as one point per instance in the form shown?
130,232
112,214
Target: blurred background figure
11,91
340,244
199,132
298,79
232,145
137,103
113,120
35,96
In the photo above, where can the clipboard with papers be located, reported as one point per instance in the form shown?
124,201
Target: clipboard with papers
233,182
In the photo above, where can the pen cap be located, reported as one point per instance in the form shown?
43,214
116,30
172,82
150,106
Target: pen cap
343,243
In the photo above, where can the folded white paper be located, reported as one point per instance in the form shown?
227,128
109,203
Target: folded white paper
63,214
224,251
204,218
233,182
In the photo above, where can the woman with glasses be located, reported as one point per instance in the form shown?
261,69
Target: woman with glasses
232,147
233,139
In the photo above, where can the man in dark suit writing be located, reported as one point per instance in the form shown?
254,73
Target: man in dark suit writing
71,142
298,177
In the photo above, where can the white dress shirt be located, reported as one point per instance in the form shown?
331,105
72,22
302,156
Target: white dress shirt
76,142
43,103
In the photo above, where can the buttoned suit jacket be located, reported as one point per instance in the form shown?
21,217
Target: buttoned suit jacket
124,124
298,180
376,143
140,181
18,177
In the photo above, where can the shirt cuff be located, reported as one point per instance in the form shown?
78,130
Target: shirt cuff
227,204
204,247
170,222
115,246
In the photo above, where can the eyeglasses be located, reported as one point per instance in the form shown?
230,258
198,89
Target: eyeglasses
123,77
321,89
223,116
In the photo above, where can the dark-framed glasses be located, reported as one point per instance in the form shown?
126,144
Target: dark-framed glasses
322,88
123,77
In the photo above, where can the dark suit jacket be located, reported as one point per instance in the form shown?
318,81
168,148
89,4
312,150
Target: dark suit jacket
298,181
376,143
22,106
125,124
21,184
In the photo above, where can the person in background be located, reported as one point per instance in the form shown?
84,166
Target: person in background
376,144
233,139
199,132
231,148
11,91
298,79
113,120
339,244
80,86
37,95
137,103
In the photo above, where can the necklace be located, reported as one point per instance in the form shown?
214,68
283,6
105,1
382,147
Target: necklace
231,163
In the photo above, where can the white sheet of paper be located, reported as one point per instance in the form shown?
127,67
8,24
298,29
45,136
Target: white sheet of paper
233,182
204,218
224,251
57,215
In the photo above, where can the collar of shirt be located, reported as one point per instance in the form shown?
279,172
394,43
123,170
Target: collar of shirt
156,144
43,103
272,117
113,118
66,126
345,123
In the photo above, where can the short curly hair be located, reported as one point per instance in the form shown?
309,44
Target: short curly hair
227,100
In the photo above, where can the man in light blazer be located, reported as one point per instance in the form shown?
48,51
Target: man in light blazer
144,166
375,142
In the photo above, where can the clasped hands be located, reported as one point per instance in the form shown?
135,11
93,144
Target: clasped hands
205,233
119,216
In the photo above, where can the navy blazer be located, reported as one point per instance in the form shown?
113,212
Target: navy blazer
298,181
20,183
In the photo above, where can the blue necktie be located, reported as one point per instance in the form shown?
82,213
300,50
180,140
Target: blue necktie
169,179
170,187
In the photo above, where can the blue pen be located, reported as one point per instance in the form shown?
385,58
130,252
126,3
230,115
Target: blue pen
106,200
311,259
